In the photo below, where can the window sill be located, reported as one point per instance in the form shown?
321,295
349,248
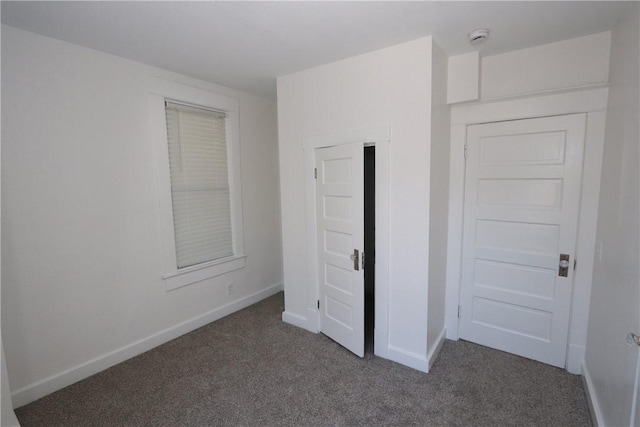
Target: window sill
197,273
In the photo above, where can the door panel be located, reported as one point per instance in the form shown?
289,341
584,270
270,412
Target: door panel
340,214
522,194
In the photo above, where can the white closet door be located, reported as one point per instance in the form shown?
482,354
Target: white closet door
340,212
522,194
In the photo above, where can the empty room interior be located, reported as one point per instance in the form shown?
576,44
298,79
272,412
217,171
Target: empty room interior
320,213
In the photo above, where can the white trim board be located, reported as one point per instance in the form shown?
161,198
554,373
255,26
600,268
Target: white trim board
433,354
295,320
592,399
370,134
575,358
380,136
532,106
593,102
34,391
407,358
310,323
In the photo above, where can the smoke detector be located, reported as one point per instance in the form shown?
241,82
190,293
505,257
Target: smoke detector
478,36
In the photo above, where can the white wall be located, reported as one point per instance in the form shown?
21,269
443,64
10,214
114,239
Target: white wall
390,87
610,363
81,244
574,63
7,416
463,77
578,63
438,204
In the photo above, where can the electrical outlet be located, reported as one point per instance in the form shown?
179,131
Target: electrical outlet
231,289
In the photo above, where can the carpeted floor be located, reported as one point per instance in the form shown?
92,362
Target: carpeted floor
251,369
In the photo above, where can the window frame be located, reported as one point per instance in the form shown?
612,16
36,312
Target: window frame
163,90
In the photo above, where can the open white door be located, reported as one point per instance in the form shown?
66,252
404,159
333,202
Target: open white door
340,213
522,193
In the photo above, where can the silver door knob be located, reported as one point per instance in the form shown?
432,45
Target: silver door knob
564,263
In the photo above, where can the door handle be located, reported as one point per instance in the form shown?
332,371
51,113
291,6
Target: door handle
355,257
563,269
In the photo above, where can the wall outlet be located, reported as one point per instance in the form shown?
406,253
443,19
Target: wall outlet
231,289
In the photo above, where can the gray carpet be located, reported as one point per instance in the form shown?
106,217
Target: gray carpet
251,369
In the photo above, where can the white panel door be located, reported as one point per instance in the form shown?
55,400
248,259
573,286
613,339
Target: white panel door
340,213
522,194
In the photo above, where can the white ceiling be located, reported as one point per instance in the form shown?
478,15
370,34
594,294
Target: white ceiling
246,45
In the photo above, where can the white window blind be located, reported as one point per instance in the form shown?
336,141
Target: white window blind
199,184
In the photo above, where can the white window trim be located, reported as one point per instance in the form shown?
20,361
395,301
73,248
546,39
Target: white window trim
159,91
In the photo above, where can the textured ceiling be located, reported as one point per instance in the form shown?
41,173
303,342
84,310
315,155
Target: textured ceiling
246,45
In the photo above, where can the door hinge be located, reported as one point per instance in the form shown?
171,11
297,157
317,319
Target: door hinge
458,312
318,304
465,151
575,264
315,173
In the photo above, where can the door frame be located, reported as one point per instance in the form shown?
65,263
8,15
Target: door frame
380,137
593,102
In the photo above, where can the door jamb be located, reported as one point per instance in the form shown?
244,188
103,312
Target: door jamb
592,102
380,136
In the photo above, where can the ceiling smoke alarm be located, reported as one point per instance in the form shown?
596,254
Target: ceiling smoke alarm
478,36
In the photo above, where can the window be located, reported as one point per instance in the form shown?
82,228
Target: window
197,142
195,132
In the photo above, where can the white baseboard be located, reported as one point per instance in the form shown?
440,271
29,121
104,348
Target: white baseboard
294,319
432,355
575,358
380,343
41,388
309,323
313,320
407,358
592,398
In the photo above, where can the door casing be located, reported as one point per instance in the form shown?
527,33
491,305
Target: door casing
593,102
